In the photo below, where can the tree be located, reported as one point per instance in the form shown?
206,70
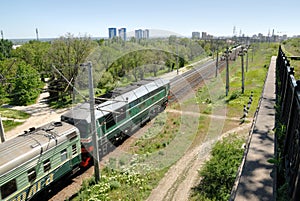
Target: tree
66,54
26,85
35,53
5,49
7,76
106,81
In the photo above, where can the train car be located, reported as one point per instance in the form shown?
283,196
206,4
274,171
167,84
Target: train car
35,159
118,113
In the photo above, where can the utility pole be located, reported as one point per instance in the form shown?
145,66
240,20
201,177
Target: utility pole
177,59
37,34
252,53
227,52
93,124
241,54
217,62
247,62
2,135
2,42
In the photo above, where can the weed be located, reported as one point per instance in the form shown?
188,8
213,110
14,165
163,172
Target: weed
10,124
218,174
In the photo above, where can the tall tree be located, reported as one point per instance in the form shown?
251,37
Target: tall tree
67,53
26,85
35,53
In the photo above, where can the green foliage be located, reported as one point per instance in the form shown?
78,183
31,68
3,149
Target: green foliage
10,124
282,193
234,95
3,94
125,184
26,85
35,53
66,54
291,47
219,173
14,114
280,134
5,49
61,103
106,82
155,137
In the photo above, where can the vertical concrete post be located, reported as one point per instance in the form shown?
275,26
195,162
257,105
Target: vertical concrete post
2,135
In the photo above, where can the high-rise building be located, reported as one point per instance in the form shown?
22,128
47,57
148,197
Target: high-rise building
146,34
204,35
122,33
112,32
138,34
195,35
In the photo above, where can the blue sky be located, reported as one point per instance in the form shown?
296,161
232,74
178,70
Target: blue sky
54,18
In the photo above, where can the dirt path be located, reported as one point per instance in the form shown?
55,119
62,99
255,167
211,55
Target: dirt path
40,113
182,176
196,114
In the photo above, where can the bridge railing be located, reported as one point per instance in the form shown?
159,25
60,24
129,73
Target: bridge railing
288,98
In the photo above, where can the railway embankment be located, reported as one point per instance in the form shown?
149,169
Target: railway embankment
256,175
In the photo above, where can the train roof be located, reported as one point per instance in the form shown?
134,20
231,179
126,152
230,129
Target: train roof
119,98
17,151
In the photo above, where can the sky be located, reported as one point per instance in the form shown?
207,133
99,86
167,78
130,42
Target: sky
55,18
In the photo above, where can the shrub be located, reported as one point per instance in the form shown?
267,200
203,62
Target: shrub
219,173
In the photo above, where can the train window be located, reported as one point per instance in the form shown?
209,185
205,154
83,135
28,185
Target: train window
31,175
134,103
122,114
146,96
142,106
74,149
63,155
110,121
47,165
8,188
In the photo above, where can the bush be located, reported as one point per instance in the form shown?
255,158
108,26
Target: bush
219,173
233,96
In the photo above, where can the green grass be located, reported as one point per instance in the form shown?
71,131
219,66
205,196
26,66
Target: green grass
213,93
169,137
10,124
67,102
158,136
121,184
291,47
14,114
218,174
222,167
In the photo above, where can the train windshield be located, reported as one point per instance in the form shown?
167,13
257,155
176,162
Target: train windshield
83,127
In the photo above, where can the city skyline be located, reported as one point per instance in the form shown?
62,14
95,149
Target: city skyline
54,18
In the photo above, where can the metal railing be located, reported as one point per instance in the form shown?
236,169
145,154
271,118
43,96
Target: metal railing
288,100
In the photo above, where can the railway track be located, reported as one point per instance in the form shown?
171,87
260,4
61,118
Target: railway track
180,86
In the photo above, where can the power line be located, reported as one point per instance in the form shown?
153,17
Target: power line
69,82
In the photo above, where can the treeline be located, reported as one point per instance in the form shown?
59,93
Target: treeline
24,70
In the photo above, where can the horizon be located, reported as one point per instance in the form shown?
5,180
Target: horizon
131,34
95,17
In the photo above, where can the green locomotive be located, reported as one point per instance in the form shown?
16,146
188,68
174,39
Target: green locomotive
35,159
118,113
